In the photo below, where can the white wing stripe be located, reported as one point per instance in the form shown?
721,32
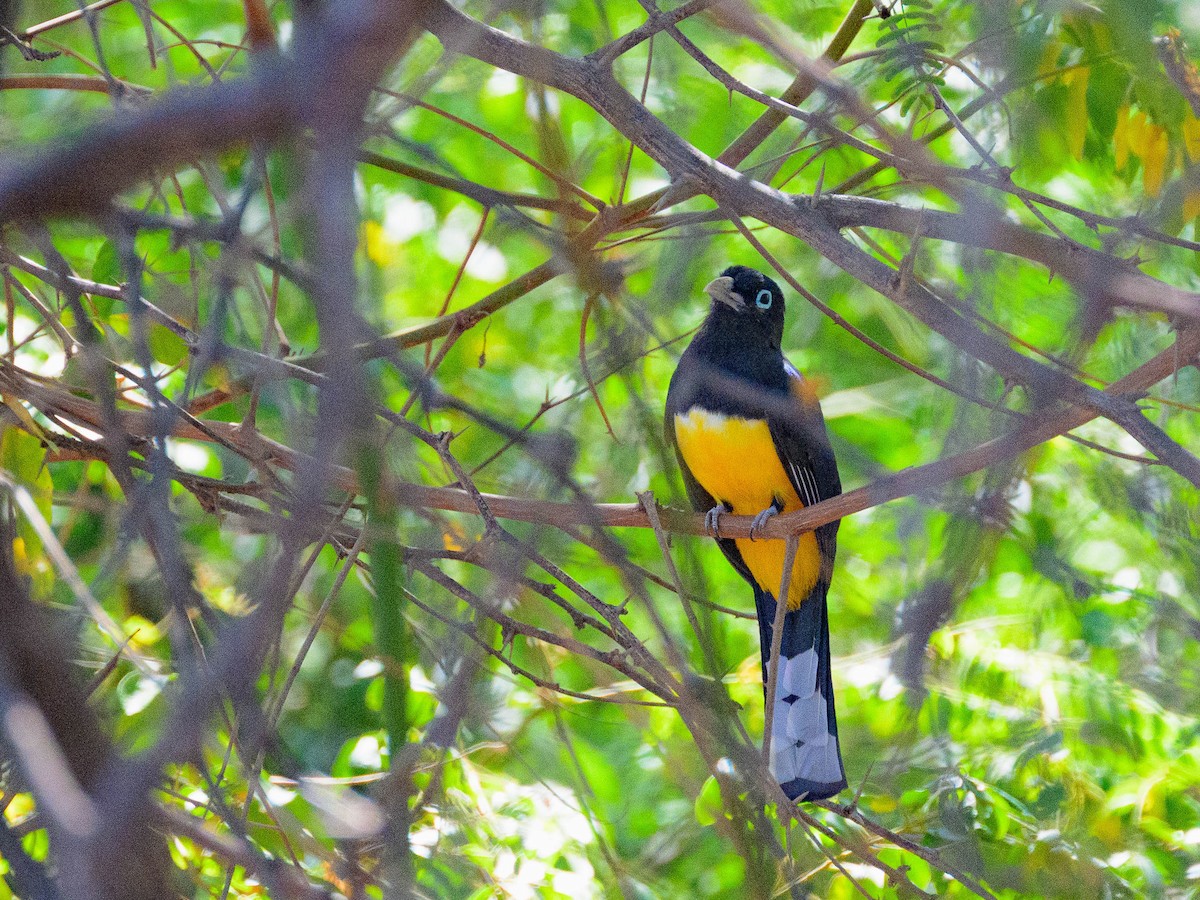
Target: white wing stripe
801,484
806,482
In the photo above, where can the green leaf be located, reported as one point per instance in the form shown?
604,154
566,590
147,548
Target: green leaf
166,346
708,806
106,268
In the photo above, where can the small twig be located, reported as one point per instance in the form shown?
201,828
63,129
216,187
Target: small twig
807,820
462,268
650,505
108,668
70,574
657,21
238,851
30,54
781,605
583,363
623,182
66,18
930,856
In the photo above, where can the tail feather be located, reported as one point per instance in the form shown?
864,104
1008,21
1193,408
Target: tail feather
805,755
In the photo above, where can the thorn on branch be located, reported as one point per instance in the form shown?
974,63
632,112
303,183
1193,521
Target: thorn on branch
904,273
680,189
816,197
852,807
483,346
616,658
507,634
27,51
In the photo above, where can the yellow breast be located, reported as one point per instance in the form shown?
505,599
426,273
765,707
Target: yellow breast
735,460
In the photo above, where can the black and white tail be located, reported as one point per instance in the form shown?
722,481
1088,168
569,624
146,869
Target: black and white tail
805,756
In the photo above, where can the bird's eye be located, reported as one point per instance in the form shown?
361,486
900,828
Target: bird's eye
763,300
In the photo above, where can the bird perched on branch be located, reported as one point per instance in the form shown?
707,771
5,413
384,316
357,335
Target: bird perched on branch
751,440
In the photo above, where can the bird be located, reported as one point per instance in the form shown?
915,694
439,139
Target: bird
750,438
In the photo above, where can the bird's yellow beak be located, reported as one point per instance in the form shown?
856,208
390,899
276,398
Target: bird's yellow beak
722,289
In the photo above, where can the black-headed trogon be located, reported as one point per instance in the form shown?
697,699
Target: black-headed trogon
751,440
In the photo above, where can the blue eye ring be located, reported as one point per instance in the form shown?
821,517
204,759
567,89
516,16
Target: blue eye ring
760,303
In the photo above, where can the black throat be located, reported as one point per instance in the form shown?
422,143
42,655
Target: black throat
733,366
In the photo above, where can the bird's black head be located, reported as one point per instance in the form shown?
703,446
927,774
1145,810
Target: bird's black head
745,298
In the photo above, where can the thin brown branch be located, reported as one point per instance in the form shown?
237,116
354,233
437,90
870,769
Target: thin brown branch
485,196
85,83
657,22
66,18
610,99
1096,274
1037,430
800,88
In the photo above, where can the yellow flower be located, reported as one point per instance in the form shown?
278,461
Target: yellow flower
1121,137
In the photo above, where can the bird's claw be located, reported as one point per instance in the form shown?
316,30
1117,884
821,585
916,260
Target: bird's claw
712,519
761,520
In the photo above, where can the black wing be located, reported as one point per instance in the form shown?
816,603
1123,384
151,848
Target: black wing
803,446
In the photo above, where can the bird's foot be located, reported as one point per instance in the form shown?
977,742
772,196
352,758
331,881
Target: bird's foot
761,520
712,519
